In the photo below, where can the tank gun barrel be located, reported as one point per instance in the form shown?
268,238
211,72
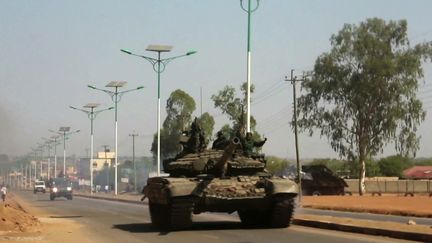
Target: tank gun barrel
228,152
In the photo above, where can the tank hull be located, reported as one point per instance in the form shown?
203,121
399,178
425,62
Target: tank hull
260,196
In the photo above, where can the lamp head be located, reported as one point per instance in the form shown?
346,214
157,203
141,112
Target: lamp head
190,53
126,51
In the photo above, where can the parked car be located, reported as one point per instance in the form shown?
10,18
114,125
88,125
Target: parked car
39,186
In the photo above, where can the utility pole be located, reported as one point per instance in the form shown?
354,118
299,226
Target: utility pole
106,162
201,100
133,135
293,81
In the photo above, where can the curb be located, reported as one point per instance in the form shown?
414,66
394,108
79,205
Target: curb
111,199
319,224
365,230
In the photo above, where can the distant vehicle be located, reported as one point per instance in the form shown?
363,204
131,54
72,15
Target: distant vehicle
39,186
61,187
320,180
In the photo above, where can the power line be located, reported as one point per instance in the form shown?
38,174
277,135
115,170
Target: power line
269,95
269,89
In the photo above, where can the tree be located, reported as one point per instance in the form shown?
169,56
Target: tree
393,165
207,124
276,165
362,94
337,166
179,108
423,162
234,107
372,168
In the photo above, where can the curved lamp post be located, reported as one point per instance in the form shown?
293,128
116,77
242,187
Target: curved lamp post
159,66
48,143
249,11
116,96
54,138
64,132
91,113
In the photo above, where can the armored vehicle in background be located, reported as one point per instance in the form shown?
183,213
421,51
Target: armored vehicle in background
225,178
60,187
320,180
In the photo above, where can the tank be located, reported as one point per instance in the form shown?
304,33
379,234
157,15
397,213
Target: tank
221,179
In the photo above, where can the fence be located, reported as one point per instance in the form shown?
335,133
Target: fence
378,186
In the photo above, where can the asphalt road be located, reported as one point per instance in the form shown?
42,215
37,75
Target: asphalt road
106,221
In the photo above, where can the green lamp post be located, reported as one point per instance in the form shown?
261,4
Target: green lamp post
159,66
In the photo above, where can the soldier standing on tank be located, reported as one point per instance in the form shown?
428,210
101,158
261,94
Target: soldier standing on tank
196,142
221,142
249,144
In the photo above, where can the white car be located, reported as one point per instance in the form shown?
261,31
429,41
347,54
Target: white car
39,187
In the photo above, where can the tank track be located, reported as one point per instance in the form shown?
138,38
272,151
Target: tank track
278,216
282,214
181,213
175,215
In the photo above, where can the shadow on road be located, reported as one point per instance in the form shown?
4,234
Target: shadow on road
197,226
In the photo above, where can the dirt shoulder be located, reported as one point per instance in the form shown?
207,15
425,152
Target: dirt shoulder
418,206
23,222
15,219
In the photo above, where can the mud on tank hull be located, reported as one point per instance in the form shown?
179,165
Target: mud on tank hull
259,201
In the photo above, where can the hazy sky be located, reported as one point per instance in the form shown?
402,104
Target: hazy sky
51,50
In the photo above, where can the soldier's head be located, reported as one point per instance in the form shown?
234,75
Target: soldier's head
248,135
219,134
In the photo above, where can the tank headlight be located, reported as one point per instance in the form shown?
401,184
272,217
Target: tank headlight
69,188
55,189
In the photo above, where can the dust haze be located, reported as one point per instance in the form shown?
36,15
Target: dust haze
8,133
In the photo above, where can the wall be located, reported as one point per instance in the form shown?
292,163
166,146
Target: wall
392,186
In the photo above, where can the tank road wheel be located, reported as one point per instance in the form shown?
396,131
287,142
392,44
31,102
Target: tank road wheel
181,213
252,217
175,215
159,214
282,213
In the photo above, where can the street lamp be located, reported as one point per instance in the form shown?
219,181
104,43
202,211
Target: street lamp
249,11
41,150
64,131
159,66
48,144
91,115
35,151
116,97
54,138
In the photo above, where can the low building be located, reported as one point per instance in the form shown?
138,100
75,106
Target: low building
418,172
